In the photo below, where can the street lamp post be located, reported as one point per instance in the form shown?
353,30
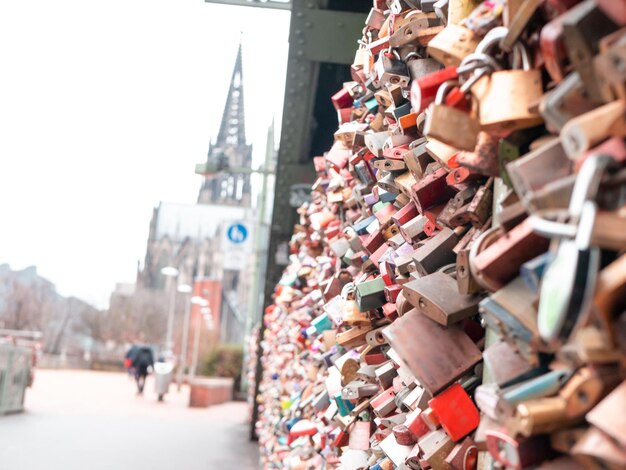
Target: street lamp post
211,169
171,273
185,289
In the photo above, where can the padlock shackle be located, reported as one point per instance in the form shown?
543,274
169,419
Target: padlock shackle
494,38
588,181
541,224
477,60
443,90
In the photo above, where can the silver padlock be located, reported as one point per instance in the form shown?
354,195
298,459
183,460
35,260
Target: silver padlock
569,282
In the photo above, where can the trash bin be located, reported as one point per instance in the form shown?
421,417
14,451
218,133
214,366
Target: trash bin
163,374
15,372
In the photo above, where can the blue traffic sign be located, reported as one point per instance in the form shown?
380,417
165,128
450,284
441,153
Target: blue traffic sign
237,233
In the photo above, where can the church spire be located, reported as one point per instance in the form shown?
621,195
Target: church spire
232,128
230,150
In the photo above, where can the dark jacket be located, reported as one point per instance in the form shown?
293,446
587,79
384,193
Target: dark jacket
143,359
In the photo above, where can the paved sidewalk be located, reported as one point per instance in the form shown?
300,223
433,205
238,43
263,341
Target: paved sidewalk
77,420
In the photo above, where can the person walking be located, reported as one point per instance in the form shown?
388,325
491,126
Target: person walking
129,359
143,361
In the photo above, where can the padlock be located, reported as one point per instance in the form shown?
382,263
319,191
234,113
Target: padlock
440,152
604,416
435,446
554,195
514,146
352,315
358,389
538,168
512,312
567,100
479,209
587,387
564,439
596,451
483,158
435,297
517,453
540,416
360,436
413,230
587,130
395,451
398,6
489,400
583,26
499,262
440,7
466,284
437,356
352,337
608,69
483,18
383,403
343,406
450,125
456,412
452,44
385,374
590,344
421,27
430,190
447,213
518,11
417,400
464,455
389,165
553,50
506,365
437,251
519,88
388,183
569,280
375,142
417,159
419,67
391,70
405,182
424,89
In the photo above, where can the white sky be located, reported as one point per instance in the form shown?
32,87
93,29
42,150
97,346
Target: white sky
105,107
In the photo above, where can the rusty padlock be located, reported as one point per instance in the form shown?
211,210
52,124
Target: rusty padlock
449,124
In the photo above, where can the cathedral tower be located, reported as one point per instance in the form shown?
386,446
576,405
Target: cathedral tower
230,150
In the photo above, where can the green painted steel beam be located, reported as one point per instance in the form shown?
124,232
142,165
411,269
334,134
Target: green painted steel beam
324,35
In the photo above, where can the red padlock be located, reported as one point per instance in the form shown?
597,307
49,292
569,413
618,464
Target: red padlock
456,412
430,190
405,214
424,89
342,99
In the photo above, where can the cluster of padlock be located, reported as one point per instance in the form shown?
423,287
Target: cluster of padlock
456,294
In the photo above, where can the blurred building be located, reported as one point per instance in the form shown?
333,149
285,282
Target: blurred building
190,236
29,301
